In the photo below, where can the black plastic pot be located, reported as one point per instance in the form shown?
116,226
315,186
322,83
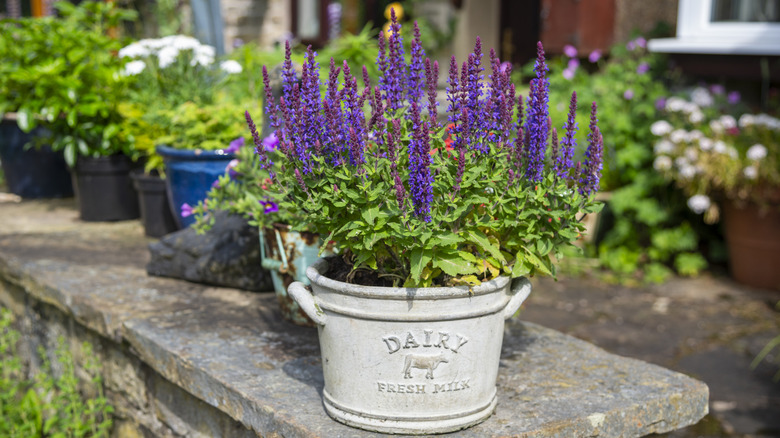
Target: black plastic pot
104,189
32,172
153,199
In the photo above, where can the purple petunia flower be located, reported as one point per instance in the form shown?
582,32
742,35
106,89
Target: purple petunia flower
186,210
594,55
660,103
734,97
568,73
717,89
269,206
235,145
631,45
231,168
640,42
271,142
643,68
573,64
570,51
628,94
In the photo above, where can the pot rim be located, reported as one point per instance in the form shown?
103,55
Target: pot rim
316,275
168,152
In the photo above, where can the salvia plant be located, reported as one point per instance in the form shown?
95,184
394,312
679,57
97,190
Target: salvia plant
493,191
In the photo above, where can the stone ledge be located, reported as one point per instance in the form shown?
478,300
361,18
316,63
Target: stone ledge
231,350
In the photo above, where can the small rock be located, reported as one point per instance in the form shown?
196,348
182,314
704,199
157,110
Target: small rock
227,255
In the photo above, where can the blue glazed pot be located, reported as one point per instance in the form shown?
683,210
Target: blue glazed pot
189,174
31,172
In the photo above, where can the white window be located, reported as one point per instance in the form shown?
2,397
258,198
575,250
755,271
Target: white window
733,27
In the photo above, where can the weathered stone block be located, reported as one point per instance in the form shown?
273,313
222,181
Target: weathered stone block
227,255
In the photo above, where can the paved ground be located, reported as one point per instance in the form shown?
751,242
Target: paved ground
709,327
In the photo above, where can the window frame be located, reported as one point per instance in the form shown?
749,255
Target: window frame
697,34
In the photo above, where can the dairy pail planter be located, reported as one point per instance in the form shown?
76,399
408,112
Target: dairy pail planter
406,360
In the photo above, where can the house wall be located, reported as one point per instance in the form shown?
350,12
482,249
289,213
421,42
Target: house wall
260,21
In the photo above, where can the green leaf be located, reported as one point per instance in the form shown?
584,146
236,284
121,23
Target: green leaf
537,262
481,239
420,257
452,264
24,119
370,215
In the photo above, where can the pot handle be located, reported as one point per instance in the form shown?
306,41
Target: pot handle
521,288
305,299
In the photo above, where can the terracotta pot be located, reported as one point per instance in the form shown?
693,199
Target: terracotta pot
409,360
753,239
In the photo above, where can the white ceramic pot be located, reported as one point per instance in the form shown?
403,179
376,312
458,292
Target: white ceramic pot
412,361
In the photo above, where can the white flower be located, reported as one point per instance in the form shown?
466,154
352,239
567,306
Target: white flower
182,42
133,68
690,108
675,104
166,56
204,55
663,147
750,172
716,126
702,97
661,127
153,44
134,50
728,121
681,162
691,153
696,117
662,163
746,120
719,147
732,151
705,143
695,135
688,172
679,136
756,152
231,67
699,203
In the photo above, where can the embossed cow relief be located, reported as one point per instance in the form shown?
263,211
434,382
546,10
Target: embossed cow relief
428,363
426,351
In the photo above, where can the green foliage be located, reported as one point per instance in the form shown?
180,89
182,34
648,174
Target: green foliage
186,126
64,73
488,228
246,189
644,209
49,406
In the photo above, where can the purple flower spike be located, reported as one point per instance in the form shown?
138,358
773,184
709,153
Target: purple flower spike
265,162
477,117
590,174
186,210
392,139
270,105
416,77
431,80
536,125
420,177
393,84
564,162
453,93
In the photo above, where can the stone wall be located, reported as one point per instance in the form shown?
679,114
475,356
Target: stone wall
145,403
263,22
